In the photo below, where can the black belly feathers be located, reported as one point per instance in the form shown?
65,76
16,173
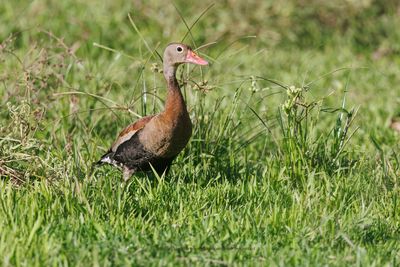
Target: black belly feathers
132,155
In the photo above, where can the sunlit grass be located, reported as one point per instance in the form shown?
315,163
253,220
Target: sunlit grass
291,161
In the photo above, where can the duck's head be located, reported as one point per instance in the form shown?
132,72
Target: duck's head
176,54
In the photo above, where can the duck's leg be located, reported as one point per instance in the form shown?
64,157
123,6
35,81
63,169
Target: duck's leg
127,173
163,165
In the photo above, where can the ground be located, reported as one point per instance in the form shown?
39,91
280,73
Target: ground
292,161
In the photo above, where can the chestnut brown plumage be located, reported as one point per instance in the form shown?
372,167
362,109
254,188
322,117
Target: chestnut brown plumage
156,140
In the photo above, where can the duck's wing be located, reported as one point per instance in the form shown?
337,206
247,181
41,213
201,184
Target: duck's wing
124,136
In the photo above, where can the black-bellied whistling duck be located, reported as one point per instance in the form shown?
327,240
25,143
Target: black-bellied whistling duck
157,139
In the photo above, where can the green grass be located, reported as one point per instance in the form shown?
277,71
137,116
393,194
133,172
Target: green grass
291,162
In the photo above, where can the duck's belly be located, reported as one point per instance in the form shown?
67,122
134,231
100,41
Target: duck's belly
135,157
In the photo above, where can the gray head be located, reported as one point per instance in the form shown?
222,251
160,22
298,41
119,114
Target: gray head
176,54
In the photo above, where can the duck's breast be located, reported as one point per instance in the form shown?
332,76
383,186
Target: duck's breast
165,136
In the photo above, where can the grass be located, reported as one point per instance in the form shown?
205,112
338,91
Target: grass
291,162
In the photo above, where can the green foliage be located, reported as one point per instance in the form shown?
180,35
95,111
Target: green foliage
273,175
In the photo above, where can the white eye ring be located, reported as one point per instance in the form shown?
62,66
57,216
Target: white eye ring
179,49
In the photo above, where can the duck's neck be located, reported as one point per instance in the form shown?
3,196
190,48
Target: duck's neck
174,104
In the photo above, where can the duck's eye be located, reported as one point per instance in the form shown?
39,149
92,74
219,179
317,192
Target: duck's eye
179,49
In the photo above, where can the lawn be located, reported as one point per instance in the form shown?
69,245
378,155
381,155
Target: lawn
291,163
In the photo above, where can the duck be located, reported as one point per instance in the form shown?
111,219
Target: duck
153,142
